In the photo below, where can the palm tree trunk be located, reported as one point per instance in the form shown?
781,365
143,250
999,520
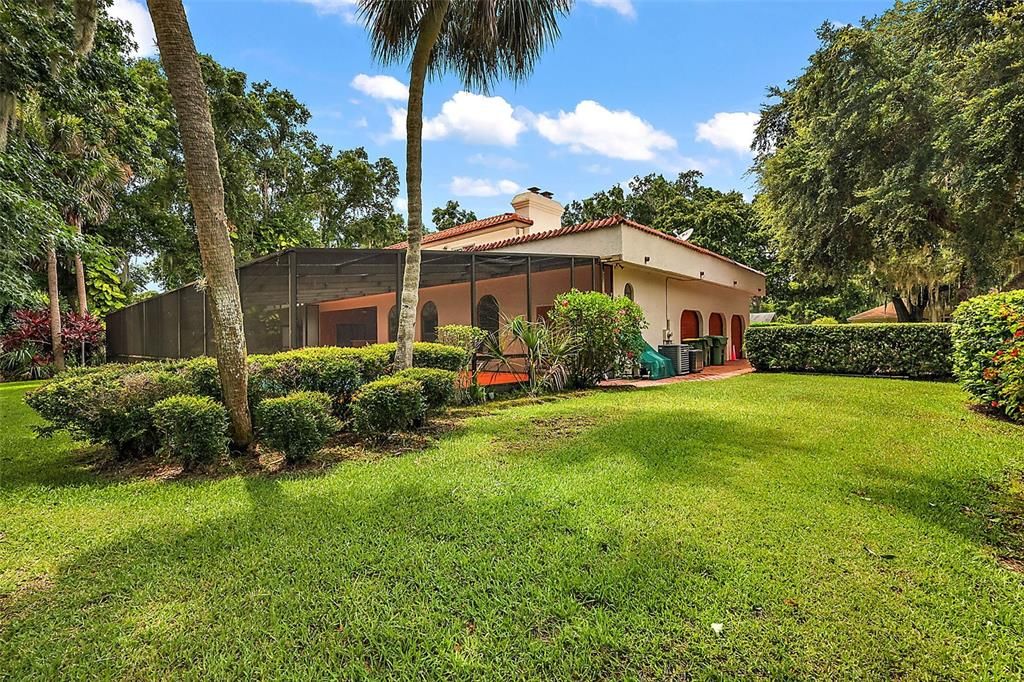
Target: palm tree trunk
206,191
75,221
57,345
430,28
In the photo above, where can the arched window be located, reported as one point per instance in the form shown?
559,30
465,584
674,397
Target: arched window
628,291
716,325
689,325
487,314
428,321
393,324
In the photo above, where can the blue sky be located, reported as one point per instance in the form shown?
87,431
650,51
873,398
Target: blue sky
633,86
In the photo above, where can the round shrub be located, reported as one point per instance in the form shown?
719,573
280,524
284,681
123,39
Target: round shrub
438,385
387,405
297,424
824,321
336,372
110,406
192,429
988,351
203,376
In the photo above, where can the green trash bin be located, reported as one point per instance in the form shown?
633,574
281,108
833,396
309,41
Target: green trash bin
717,344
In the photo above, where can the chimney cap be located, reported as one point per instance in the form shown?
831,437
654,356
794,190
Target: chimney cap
548,195
535,190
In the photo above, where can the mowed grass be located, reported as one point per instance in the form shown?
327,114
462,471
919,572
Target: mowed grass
835,527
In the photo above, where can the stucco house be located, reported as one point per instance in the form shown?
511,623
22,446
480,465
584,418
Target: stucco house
477,273
684,290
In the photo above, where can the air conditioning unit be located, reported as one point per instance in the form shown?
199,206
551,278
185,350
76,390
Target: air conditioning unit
679,357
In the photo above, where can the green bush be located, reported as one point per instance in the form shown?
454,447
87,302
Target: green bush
433,355
202,375
297,424
438,385
387,405
192,429
912,350
824,321
462,336
608,333
988,351
110,406
337,372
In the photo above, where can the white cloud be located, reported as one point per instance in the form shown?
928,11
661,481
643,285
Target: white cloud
381,87
597,168
137,16
495,161
472,118
462,186
729,130
401,205
346,9
616,134
623,7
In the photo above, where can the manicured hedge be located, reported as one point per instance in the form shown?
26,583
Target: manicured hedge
438,385
988,351
109,407
387,405
297,424
192,429
909,350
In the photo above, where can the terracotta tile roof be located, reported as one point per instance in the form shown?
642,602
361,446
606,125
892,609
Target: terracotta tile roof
467,228
597,225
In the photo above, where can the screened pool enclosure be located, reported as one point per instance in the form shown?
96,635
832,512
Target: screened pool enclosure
350,297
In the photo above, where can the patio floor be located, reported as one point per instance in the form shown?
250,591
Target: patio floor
733,368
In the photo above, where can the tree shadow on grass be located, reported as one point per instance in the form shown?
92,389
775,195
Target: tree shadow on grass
392,579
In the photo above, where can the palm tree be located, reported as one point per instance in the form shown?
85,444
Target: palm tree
206,191
480,40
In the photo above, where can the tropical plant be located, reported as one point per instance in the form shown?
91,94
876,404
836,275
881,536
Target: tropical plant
478,40
550,353
206,190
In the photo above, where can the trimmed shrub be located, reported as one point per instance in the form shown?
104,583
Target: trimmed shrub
297,424
988,351
607,333
463,336
203,376
824,321
192,429
387,405
438,385
110,406
910,350
336,372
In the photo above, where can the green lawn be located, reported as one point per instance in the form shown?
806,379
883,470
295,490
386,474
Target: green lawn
835,527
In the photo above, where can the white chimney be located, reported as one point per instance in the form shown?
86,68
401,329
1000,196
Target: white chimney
545,212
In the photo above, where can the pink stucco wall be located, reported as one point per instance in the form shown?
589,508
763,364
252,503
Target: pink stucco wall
453,300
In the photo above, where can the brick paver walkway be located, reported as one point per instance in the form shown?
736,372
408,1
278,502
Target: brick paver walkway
712,373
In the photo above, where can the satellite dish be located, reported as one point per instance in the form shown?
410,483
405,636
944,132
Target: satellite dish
685,236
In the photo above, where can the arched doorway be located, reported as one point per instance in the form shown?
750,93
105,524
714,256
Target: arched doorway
736,337
428,321
628,292
689,324
716,325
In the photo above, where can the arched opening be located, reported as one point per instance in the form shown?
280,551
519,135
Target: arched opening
628,292
689,324
736,337
393,324
488,314
716,325
428,321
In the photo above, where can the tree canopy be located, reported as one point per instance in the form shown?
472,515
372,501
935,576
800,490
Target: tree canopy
898,152
450,215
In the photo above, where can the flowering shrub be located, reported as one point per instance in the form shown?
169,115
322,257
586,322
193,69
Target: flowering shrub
988,342
910,350
607,333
